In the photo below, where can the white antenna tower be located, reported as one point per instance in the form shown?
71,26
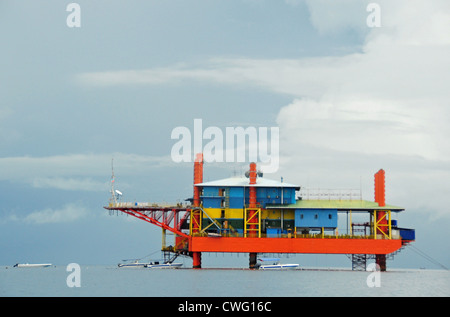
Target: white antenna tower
113,199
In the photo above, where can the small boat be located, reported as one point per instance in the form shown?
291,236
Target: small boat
151,265
132,265
276,265
167,265
32,265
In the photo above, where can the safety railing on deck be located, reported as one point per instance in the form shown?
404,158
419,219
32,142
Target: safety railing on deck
293,236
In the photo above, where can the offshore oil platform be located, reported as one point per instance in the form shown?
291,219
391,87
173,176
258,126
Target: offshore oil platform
256,215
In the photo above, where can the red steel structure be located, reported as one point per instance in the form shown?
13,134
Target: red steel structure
197,241
196,211
381,216
252,211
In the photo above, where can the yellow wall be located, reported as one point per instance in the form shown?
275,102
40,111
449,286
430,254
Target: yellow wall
229,213
238,213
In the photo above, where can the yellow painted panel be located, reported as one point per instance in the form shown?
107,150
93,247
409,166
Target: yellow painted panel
276,214
230,213
238,213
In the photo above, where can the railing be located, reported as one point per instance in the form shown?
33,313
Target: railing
144,205
330,194
295,236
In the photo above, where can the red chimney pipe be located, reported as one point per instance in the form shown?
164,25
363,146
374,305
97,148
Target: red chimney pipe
252,192
380,188
196,214
381,218
198,178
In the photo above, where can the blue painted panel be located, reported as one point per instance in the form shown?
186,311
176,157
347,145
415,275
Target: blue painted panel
289,196
314,218
236,192
212,202
210,191
236,202
408,234
265,195
273,232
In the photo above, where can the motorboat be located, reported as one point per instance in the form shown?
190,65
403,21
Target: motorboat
166,265
32,265
151,265
275,264
134,264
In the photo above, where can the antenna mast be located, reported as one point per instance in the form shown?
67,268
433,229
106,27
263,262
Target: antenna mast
113,199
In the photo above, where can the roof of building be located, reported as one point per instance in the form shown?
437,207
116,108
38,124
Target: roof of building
244,182
340,205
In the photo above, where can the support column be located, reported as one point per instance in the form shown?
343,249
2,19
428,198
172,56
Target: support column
253,260
380,221
197,257
380,260
196,215
252,216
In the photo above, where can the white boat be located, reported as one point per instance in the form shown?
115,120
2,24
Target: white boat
32,264
276,265
151,265
132,265
157,265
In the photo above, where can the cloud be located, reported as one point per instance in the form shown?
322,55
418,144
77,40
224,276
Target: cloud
390,98
385,106
84,184
75,171
68,213
330,17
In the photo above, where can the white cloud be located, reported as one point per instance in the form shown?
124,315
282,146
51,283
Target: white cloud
67,213
392,98
386,105
83,184
337,16
75,171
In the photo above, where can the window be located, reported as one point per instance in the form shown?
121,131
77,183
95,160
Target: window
330,216
316,216
301,216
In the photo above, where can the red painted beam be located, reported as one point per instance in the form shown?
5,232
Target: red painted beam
294,245
151,220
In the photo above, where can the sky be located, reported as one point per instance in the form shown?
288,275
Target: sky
348,99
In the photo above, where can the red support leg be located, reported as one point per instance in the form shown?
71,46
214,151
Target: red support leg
380,260
252,260
197,257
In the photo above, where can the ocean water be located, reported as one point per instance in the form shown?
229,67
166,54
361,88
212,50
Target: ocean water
107,281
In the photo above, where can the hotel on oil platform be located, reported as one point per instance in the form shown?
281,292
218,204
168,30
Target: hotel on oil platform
256,215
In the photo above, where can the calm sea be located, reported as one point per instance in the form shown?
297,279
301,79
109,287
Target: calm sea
109,281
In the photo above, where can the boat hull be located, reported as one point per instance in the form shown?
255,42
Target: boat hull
33,265
279,267
132,265
151,265
164,266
